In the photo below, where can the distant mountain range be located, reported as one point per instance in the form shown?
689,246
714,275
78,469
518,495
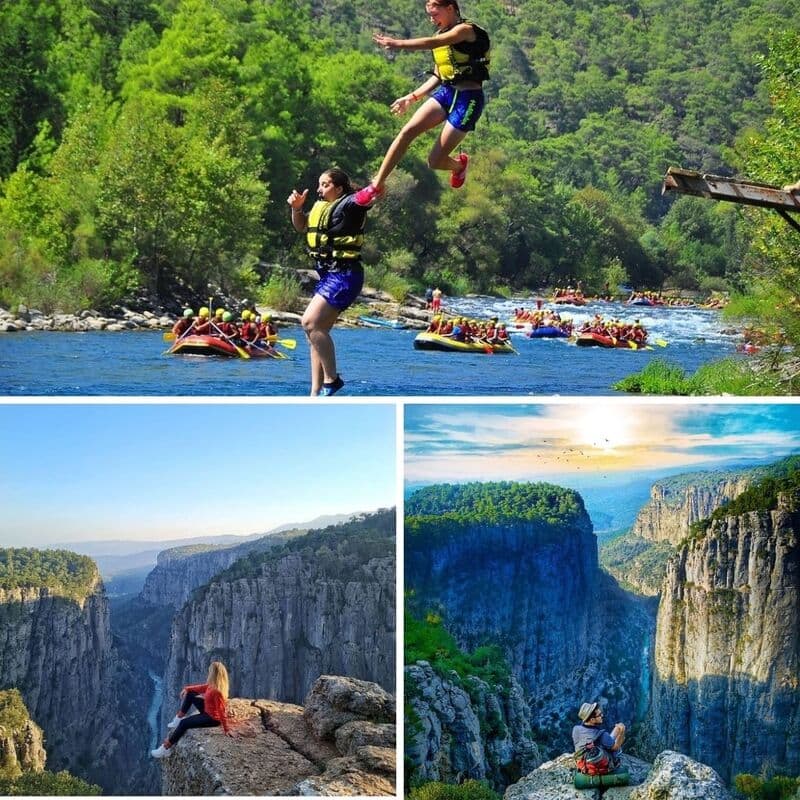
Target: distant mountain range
132,559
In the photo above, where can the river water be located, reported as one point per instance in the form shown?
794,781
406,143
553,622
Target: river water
155,708
373,362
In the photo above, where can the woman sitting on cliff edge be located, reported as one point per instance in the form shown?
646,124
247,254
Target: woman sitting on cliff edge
209,698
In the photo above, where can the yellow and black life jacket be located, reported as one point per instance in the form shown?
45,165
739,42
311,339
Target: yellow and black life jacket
326,244
465,60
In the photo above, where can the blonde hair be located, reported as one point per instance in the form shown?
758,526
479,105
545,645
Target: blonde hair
218,678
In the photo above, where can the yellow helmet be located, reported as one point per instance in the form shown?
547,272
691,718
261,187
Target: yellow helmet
266,317
245,314
219,312
203,312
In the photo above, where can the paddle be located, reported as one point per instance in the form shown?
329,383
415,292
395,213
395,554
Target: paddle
240,350
270,351
289,344
661,342
632,345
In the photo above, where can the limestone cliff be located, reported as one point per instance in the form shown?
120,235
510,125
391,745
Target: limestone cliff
567,631
57,651
458,730
727,648
21,740
323,604
180,570
677,502
511,584
672,776
341,743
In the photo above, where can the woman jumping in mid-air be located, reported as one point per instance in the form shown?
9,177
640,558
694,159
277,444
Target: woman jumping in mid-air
455,95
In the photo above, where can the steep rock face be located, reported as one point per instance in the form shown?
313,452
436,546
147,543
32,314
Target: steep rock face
279,630
21,739
179,571
58,652
675,503
567,630
727,649
511,584
671,777
455,733
278,749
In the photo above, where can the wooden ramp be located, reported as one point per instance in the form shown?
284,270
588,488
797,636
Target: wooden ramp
716,187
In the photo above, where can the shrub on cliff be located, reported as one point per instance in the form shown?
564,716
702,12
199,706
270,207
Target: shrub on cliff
60,571
469,790
446,508
779,787
54,784
427,640
762,496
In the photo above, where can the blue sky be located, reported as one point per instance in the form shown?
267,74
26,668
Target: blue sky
163,471
589,442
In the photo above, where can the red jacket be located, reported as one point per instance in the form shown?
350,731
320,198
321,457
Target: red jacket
214,703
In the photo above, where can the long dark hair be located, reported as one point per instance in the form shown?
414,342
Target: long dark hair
340,178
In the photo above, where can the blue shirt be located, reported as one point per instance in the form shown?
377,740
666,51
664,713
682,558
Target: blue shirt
586,734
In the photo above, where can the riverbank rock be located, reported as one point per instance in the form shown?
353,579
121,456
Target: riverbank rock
33,320
276,750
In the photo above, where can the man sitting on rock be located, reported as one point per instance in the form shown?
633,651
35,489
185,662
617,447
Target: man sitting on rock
590,736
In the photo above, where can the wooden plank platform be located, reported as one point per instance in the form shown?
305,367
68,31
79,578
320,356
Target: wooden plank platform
734,190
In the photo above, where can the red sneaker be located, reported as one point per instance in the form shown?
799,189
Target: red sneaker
368,195
458,176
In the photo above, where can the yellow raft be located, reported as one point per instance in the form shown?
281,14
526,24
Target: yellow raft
433,341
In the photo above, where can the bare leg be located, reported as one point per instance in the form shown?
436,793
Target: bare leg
449,139
318,319
427,116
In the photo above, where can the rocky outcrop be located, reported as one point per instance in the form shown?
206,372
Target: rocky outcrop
278,749
181,570
458,730
727,648
553,781
672,777
675,503
21,739
58,652
298,615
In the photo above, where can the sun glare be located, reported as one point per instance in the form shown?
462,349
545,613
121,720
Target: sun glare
604,428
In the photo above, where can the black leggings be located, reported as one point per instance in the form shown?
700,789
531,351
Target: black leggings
201,720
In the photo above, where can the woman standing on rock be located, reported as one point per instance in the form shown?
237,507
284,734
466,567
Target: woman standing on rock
209,698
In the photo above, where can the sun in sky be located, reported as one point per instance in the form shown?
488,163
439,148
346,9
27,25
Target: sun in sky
602,429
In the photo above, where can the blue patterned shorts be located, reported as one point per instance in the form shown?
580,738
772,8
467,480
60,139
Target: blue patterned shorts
340,287
463,106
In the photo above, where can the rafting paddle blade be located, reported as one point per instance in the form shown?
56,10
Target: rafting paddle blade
661,342
289,344
633,345
169,336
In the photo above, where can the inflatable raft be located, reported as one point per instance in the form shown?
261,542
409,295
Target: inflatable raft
203,345
382,323
433,341
599,340
546,332
569,300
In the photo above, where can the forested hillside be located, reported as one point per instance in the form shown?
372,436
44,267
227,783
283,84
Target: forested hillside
154,142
